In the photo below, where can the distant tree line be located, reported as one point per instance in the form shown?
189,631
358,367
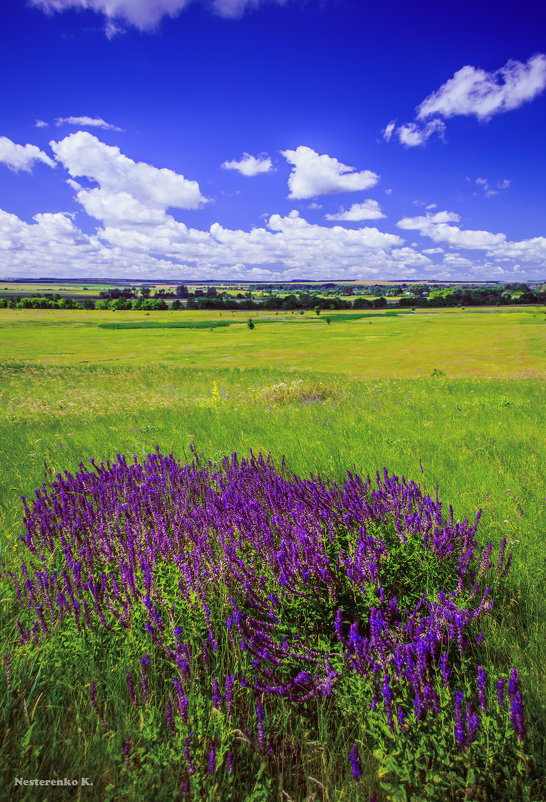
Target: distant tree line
418,296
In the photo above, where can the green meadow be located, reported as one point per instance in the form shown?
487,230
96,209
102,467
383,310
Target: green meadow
452,398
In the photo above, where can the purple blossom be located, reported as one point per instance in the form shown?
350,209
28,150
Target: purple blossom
459,725
212,759
356,765
482,686
500,692
169,716
262,537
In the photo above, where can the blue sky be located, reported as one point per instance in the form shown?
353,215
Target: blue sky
272,140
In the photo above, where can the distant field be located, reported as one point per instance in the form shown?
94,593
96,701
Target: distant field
23,288
496,344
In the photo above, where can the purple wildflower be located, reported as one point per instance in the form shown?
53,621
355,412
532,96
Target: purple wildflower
212,758
169,716
187,755
131,689
500,692
459,725
516,705
472,723
356,765
482,685
216,695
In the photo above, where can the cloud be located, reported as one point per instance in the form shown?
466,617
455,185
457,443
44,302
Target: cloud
143,14
473,91
119,176
21,157
86,122
491,191
119,208
40,124
250,165
498,249
413,134
285,247
367,210
389,130
437,227
315,174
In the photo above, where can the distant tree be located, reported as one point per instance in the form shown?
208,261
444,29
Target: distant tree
317,310
176,305
68,303
182,291
88,304
146,291
250,323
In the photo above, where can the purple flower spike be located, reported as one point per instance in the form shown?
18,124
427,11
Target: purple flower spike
212,759
170,718
459,725
131,689
187,755
216,695
500,692
482,685
356,765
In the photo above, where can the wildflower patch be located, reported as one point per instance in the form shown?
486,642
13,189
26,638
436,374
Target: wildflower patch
265,623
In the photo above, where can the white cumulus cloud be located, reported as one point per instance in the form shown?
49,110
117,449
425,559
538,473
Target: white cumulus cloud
250,165
143,14
21,157
315,174
437,227
118,176
86,122
413,134
367,210
473,91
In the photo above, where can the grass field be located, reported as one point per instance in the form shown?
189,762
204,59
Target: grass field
26,287
447,398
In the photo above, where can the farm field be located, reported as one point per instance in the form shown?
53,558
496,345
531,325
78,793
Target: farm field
449,399
68,288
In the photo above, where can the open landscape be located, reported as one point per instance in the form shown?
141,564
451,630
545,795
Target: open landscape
205,690
272,373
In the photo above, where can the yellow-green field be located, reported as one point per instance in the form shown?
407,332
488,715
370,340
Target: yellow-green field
26,287
490,344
